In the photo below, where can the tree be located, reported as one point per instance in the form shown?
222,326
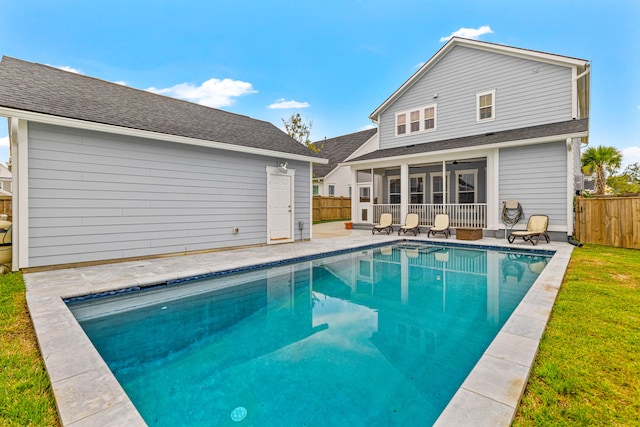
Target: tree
297,129
628,182
600,160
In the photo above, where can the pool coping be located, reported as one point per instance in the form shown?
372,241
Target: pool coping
88,394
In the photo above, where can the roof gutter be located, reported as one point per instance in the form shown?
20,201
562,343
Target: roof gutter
505,144
101,127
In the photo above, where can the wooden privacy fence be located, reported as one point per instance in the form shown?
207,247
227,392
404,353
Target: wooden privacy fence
609,221
328,208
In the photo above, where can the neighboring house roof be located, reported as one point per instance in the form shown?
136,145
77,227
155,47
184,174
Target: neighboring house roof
338,149
37,88
583,64
572,128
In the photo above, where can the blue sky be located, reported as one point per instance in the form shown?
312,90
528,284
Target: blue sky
332,61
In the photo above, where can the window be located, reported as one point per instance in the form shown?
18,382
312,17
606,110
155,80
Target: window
394,189
485,102
415,121
466,186
401,124
332,190
315,189
430,118
420,120
349,191
416,189
437,189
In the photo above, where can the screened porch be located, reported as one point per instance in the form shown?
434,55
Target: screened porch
457,188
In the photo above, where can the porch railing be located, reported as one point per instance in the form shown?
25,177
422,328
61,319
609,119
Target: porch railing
467,215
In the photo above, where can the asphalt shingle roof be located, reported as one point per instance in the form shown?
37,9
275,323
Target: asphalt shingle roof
338,149
541,131
43,89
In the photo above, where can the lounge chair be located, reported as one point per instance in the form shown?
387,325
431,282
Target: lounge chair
385,224
440,225
536,227
411,223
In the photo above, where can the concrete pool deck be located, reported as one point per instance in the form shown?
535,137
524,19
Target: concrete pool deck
87,394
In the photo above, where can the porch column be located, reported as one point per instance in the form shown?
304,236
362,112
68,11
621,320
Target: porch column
404,194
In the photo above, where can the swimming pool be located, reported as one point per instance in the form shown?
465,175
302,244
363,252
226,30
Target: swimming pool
377,337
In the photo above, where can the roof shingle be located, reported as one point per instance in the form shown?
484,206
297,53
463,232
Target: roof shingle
47,90
338,149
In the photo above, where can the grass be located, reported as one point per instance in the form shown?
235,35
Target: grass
587,371
26,398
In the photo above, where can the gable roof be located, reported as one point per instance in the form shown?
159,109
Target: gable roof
45,90
552,58
554,131
338,149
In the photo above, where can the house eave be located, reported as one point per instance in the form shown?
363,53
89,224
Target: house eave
504,144
101,127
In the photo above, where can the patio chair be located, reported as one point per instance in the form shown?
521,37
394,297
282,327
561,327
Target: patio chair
411,223
440,225
385,224
536,227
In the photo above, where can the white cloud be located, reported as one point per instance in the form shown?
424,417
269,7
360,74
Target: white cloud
367,127
4,141
283,104
67,68
212,93
630,155
121,82
469,33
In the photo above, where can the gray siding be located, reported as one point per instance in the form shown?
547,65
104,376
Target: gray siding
528,93
97,196
536,176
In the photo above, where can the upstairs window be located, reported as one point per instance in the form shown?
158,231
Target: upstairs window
415,121
419,120
485,102
401,124
430,118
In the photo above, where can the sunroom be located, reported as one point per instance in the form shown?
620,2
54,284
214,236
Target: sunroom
462,185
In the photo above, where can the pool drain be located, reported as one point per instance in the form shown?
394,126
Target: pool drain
239,413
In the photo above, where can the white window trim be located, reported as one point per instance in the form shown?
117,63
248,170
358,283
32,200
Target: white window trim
447,184
329,187
473,172
493,106
407,124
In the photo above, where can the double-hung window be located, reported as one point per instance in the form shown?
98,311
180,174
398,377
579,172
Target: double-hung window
466,186
401,124
394,189
332,190
415,121
430,118
486,106
416,189
438,188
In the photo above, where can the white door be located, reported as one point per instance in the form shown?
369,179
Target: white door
363,209
280,207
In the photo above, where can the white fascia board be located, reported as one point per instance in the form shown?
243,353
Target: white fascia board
418,157
100,127
549,58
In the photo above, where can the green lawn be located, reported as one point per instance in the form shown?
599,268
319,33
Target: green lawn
26,398
587,371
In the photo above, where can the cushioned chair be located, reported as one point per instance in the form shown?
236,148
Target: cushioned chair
385,224
440,225
536,227
411,223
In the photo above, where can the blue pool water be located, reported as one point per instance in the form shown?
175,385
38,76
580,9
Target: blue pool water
376,337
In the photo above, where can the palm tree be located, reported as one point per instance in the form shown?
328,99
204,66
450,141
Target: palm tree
601,160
